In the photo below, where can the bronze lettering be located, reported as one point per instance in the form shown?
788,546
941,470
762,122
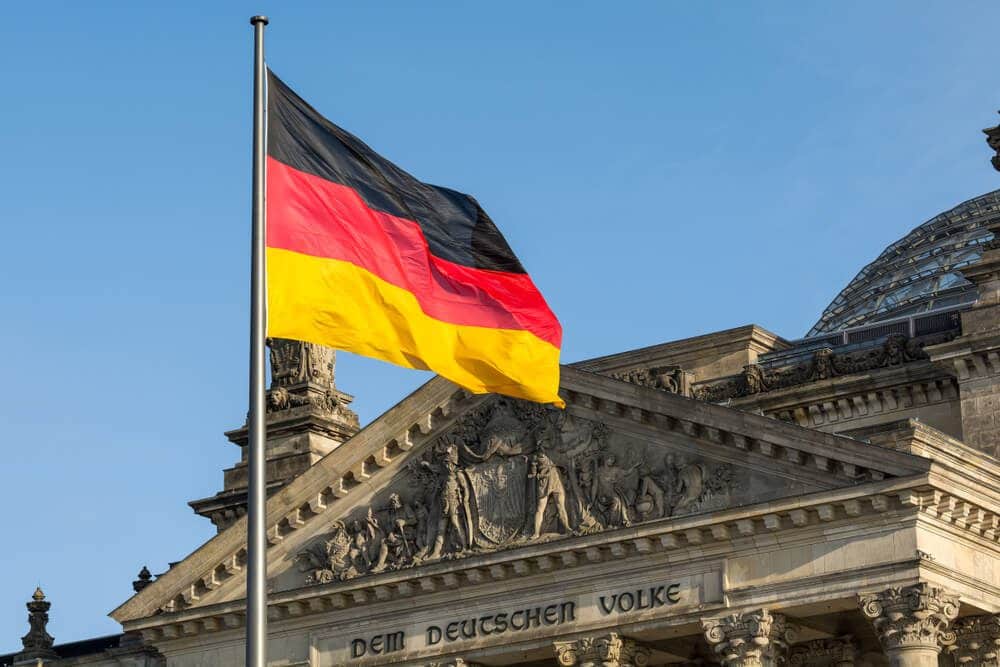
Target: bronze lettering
533,615
433,635
514,624
621,601
674,593
358,648
608,608
639,603
451,632
500,621
482,626
395,641
375,646
656,596
563,616
551,614
469,629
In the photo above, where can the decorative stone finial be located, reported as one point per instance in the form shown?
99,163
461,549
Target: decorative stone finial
750,639
38,642
608,650
145,579
993,139
912,618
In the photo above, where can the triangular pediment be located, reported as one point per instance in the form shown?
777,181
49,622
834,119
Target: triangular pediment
446,479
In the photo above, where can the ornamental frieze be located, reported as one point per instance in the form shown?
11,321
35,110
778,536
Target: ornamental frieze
825,364
672,379
509,474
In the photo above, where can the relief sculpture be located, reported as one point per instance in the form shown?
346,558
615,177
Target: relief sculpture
514,473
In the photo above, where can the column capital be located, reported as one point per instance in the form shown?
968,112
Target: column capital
749,639
836,652
454,662
911,617
607,650
977,641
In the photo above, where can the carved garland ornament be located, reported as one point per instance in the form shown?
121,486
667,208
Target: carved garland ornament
509,474
839,652
912,616
610,650
977,641
824,365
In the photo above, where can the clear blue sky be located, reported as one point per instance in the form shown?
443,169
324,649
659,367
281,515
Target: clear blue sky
662,169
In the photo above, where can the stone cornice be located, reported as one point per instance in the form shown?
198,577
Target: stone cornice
970,356
749,337
417,419
843,398
695,537
963,464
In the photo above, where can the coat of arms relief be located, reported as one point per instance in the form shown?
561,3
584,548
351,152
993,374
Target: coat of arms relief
513,473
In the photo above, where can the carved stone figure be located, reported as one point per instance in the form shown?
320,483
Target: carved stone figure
548,485
651,500
453,514
672,379
822,365
689,484
611,492
753,380
280,398
398,535
343,555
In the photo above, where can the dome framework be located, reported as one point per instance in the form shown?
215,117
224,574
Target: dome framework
918,273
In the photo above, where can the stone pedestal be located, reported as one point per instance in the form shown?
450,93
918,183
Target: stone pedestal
307,418
750,639
912,623
977,642
37,644
608,650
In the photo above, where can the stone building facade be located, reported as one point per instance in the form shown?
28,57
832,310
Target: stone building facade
732,499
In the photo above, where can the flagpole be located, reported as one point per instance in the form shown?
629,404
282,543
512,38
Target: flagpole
256,634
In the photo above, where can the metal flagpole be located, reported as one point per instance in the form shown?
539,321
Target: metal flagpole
256,635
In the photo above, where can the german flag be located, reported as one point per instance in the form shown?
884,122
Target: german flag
363,257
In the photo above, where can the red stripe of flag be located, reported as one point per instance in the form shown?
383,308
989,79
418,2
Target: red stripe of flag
313,216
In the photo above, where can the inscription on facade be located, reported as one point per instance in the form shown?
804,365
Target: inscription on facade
525,619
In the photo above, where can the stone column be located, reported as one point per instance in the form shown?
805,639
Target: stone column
838,652
750,639
912,623
977,641
608,650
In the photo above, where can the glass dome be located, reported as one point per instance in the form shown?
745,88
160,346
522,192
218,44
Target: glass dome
919,272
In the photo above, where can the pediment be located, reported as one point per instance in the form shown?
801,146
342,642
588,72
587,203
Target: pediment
445,479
